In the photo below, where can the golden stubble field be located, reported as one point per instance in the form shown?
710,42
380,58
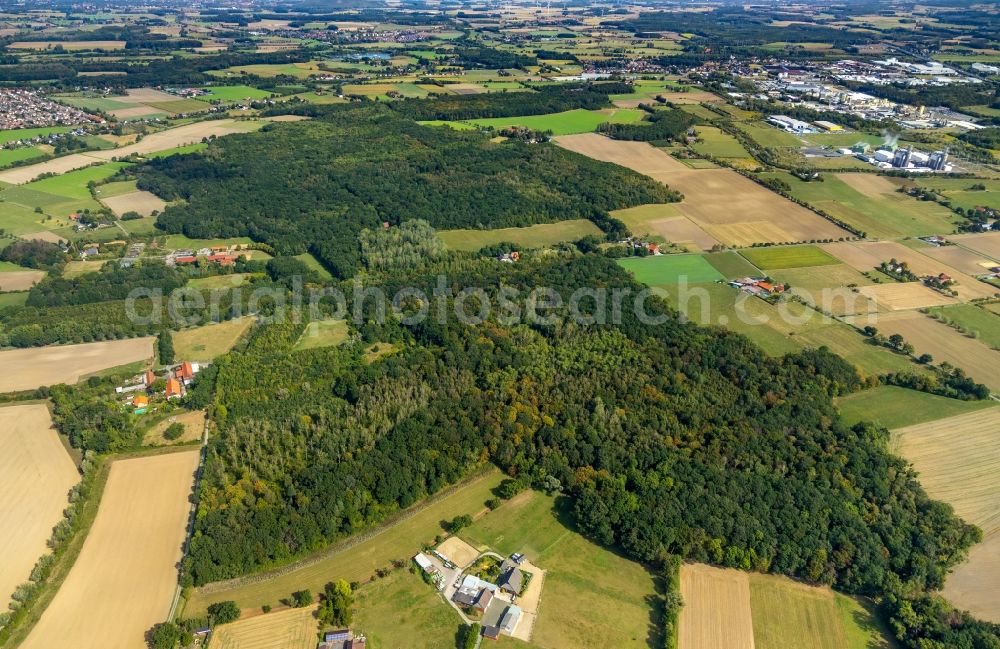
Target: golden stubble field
27,369
160,141
944,344
727,206
36,474
958,459
867,255
125,578
716,613
294,628
143,202
20,280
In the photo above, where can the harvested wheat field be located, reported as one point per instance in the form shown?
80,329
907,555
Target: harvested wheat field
870,185
986,243
160,141
20,280
681,229
130,558
458,551
729,207
909,295
27,369
867,255
145,203
945,344
961,258
716,613
958,459
36,475
295,628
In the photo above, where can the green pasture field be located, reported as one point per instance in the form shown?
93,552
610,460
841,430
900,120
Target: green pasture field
838,140
207,342
28,133
788,614
267,70
357,561
532,236
985,324
732,265
13,299
10,156
766,135
19,219
885,215
566,123
855,348
313,264
581,577
313,98
669,270
11,267
699,111
788,257
815,279
648,89
957,190
140,227
322,333
73,184
178,241
894,407
232,93
403,611
718,144
110,190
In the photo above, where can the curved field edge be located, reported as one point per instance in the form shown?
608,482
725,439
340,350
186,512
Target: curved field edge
66,556
269,586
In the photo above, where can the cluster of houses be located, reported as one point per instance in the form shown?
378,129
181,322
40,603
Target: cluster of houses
510,257
640,244
762,287
492,603
222,255
342,639
176,381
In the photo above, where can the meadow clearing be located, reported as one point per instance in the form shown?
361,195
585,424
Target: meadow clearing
892,407
532,236
958,460
711,194
732,265
27,369
565,123
356,558
130,557
401,610
718,144
36,474
205,343
322,333
159,141
944,344
666,270
192,420
294,628
581,577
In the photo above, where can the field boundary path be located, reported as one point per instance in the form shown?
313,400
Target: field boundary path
336,548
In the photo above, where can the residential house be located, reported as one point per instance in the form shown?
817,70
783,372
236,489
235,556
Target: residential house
173,388
342,639
511,578
185,372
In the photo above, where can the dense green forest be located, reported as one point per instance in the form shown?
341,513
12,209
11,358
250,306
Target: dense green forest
544,100
661,126
111,282
358,168
671,439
